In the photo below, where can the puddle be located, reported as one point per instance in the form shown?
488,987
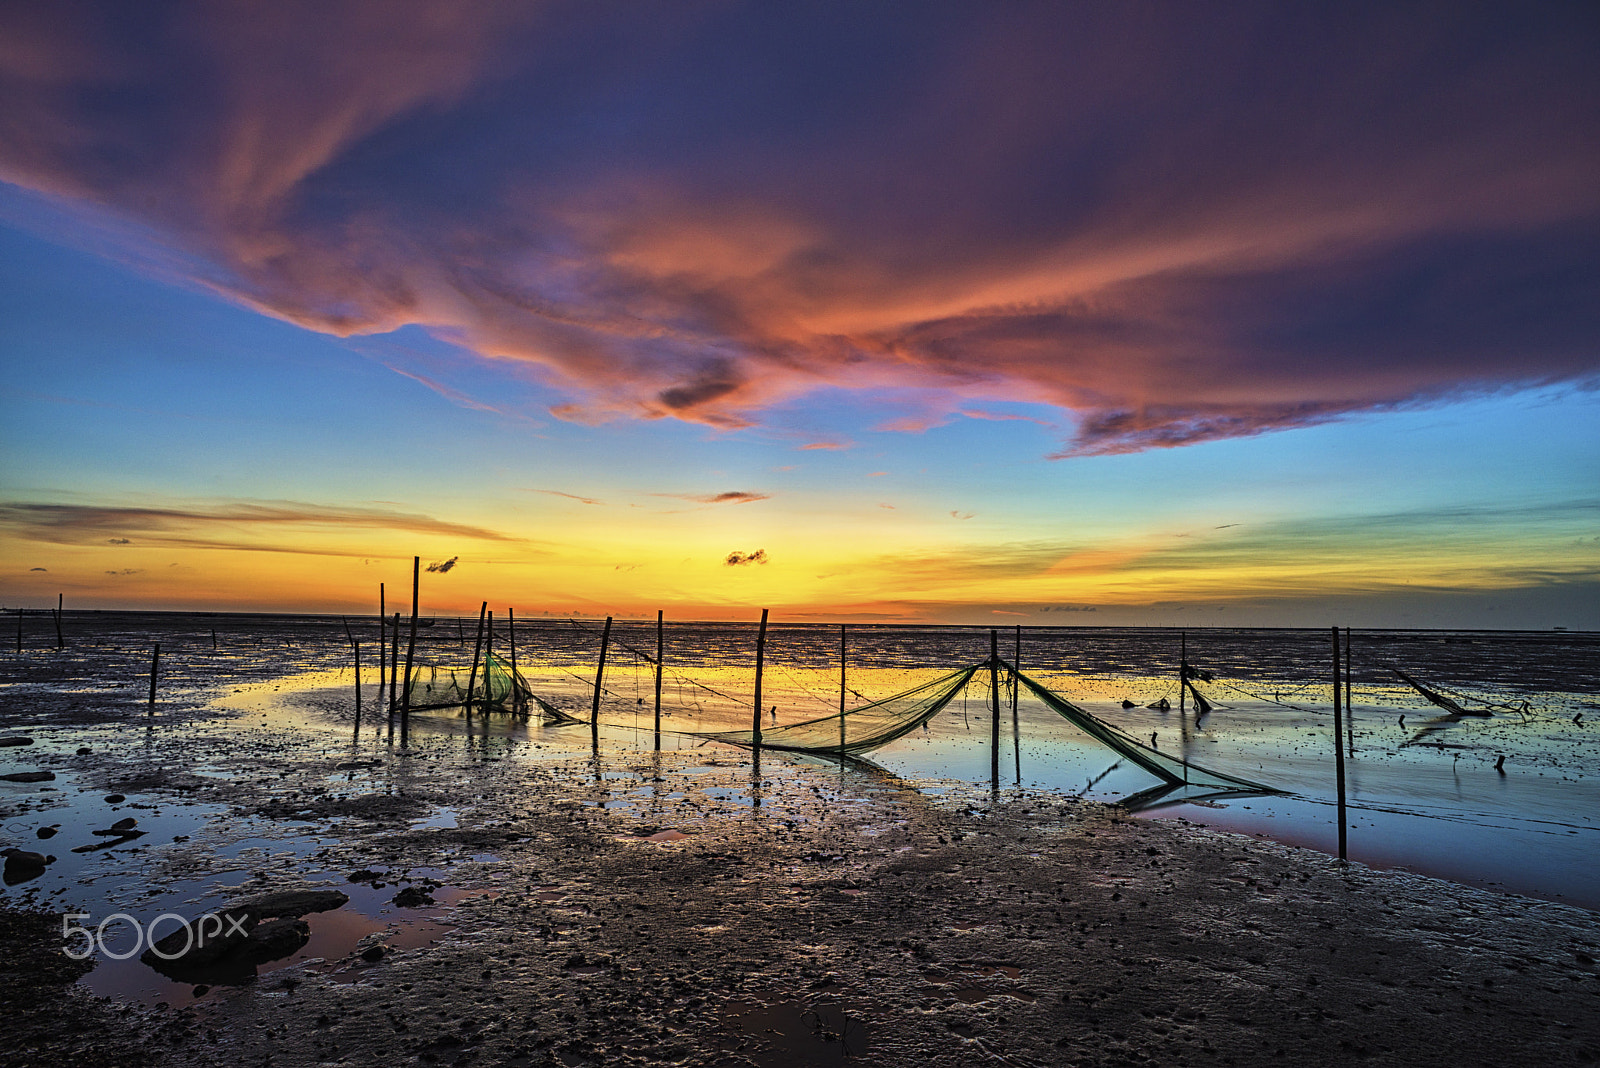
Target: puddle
785,1033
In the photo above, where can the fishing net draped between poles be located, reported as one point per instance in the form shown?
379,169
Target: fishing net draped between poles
881,722
495,689
1169,769
865,728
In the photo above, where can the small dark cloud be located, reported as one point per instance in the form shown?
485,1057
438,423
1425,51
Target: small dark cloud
729,497
118,541
962,515
757,557
38,569
443,565
127,571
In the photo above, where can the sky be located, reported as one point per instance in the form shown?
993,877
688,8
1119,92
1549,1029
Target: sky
1142,313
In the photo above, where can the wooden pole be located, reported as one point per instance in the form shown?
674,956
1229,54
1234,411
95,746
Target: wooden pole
356,647
61,642
1349,713
660,643
411,654
213,639
1016,733
488,649
761,655
841,690
599,681
1183,672
382,644
477,647
994,708
1338,736
19,630
394,670
155,663
511,638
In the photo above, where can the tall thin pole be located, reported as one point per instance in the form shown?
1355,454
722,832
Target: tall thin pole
19,630
1183,673
61,642
1349,712
155,663
511,639
356,648
994,708
841,688
599,681
411,654
477,647
660,642
1338,736
1016,682
761,655
394,670
382,643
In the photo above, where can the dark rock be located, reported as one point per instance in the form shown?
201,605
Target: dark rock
84,750
11,740
46,832
201,991
413,897
372,954
124,823
22,865
294,902
365,875
276,939
122,833
29,776
115,799
201,942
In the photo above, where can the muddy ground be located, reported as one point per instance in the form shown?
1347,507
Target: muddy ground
688,908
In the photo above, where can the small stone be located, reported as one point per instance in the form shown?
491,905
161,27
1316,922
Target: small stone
276,939
124,824
14,739
372,954
29,776
115,799
46,832
84,750
413,897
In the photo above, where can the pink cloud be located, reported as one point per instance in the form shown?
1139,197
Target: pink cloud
1220,223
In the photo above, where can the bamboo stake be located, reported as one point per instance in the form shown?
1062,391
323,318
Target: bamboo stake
411,654
1183,672
511,637
761,655
1338,734
382,659
599,680
994,708
477,647
841,692
356,646
660,642
1016,681
155,663
19,630
1349,713
213,639
60,641
394,670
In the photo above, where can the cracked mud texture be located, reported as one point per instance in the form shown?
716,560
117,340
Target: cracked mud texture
845,918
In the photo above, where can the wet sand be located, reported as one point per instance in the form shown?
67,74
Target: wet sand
684,908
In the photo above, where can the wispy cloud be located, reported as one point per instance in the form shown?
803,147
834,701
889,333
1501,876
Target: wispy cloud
229,525
520,181
728,497
736,559
568,496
